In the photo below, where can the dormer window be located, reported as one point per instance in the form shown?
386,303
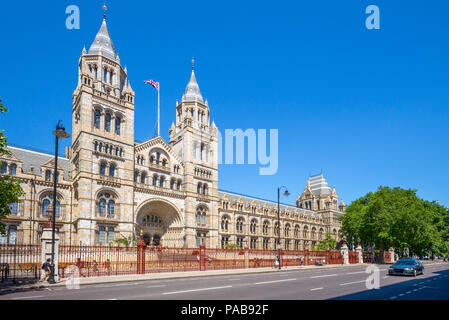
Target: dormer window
13,169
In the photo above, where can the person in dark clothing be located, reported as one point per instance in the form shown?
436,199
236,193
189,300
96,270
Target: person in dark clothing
46,266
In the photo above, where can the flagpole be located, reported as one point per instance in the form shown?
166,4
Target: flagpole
158,111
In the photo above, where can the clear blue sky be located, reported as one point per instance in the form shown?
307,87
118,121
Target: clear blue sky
368,107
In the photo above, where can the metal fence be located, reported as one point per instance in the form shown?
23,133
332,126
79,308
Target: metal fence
19,262
24,261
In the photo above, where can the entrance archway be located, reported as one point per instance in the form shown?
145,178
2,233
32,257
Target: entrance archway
161,223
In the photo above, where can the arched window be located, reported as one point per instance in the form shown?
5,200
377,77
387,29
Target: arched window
100,148
102,168
313,233
13,207
276,229
266,225
172,184
200,216
205,189
198,188
111,207
102,206
225,223
305,232
178,185
287,230
296,234
96,146
12,235
253,226
97,120
47,175
107,122
161,181
239,224
136,173
13,169
155,180
112,170
4,167
164,162
143,176
118,123
45,205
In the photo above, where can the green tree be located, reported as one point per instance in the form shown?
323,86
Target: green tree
328,242
395,217
10,190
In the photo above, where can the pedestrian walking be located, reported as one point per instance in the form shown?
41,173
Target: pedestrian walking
46,266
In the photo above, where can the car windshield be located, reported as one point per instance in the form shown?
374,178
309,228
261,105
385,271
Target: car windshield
405,262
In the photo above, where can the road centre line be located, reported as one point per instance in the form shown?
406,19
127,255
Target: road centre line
347,283
315,289
193,290
323,276
274,281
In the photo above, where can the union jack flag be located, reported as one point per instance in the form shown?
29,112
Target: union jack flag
152,83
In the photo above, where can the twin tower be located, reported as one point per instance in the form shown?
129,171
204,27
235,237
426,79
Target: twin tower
122,188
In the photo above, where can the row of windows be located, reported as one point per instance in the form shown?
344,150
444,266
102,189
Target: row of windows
108,149
107,122
104,166
253,243
157,181
154,159
202,188
12,168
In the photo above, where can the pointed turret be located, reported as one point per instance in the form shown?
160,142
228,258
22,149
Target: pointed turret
192,92
102,44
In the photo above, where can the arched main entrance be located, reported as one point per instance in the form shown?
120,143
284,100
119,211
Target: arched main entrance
160,223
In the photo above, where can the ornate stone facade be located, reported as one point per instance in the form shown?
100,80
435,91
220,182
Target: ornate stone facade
111,187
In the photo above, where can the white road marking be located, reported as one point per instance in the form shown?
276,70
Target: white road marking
327,275
274,281
30,297
356,272
156,286
234,279
193,290
316,289
344,284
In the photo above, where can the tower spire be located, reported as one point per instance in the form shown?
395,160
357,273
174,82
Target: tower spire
104,10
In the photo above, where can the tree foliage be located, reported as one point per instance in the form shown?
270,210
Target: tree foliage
395,217
328,242
10,190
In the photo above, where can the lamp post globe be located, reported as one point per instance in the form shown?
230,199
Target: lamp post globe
59,133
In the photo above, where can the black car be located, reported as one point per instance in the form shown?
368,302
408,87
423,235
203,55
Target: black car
410,267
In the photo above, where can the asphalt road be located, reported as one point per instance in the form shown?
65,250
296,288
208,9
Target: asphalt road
347,283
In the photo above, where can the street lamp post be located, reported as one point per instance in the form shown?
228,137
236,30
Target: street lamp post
60,134
286,194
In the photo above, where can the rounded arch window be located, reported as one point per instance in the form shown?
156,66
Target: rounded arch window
47,201
225,223
97,117
106,204
200,216
102,168
118,123
239,224
107,122
143,177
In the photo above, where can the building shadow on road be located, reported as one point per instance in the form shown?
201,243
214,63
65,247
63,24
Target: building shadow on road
435,287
